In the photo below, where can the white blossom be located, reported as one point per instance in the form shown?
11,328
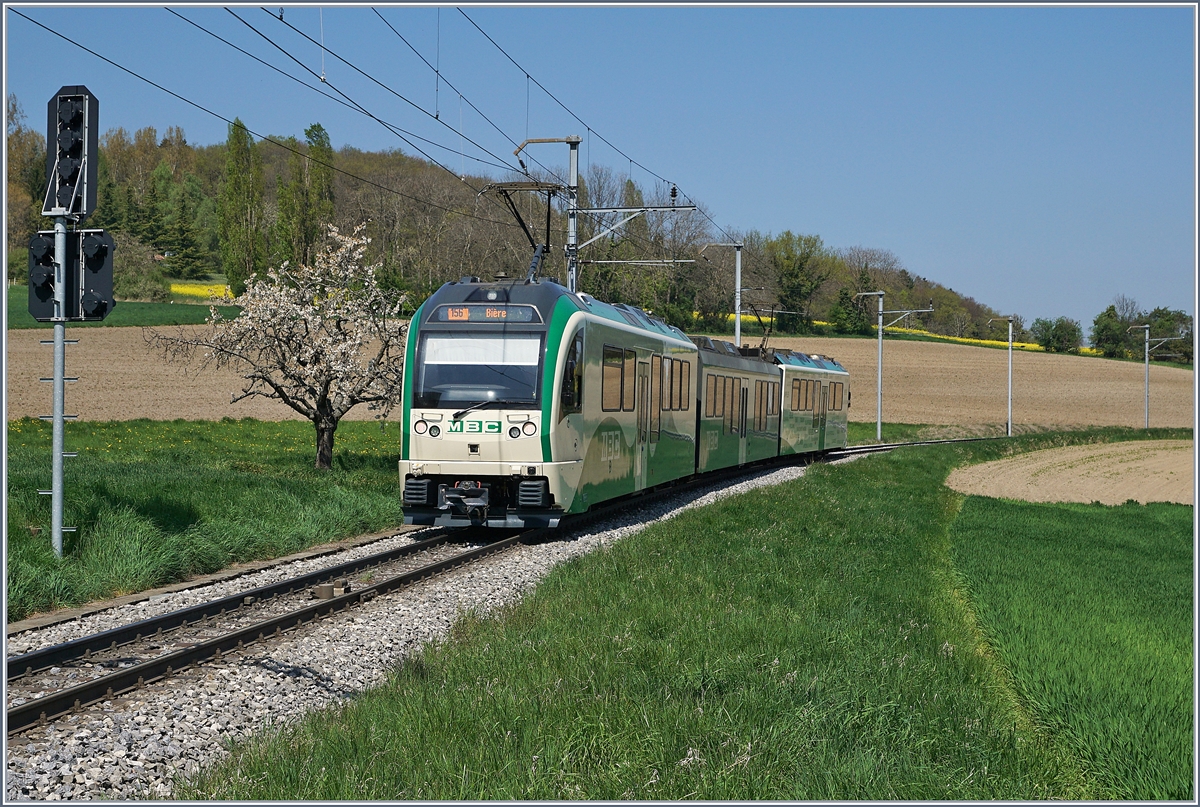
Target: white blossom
321,338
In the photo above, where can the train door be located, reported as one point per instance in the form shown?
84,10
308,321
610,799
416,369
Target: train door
822,405
643,426
741,421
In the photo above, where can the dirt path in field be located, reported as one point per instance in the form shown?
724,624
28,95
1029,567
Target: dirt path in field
1150,471
960,388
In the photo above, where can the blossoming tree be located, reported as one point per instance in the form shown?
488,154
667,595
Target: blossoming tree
322,338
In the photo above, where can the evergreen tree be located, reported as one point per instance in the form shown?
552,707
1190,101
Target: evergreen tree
187,260
847,315
240,210
305,199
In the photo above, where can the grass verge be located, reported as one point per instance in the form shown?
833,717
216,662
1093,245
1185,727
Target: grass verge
1107,667
802,642
156,502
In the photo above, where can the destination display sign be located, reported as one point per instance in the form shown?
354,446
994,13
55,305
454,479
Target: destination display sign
477,312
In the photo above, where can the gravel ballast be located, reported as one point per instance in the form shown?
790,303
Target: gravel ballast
136,746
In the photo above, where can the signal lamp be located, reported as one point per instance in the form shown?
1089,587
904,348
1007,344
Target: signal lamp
420,427
435,431
530,427
514,432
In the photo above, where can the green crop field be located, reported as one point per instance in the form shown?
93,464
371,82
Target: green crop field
130,314
1104,670
818,640
156,502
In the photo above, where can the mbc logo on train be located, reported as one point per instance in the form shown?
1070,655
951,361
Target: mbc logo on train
475,426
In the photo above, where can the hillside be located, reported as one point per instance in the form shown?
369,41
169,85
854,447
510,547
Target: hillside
165,199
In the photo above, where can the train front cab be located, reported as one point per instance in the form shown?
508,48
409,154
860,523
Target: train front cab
477,405
525,402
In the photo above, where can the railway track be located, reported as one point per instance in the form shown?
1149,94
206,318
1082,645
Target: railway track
53,681
50,682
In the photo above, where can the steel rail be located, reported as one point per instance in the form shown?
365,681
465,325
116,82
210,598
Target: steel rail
38,710
851,451
83,647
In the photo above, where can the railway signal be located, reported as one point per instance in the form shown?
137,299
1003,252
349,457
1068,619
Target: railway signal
96,249
72,154
60,290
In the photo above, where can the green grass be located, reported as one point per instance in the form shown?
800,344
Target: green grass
1090,607
156,502
810,641
126,314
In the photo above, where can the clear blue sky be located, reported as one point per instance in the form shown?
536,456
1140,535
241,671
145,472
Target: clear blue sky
1038,159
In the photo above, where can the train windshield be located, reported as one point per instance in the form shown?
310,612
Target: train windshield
460,369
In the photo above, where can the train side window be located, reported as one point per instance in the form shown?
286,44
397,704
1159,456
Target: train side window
795,394
572,383
686,385
808,395
710,394
773,398
664,401
836,396
727,402
628,383
675,383
611,379
719,398
658,367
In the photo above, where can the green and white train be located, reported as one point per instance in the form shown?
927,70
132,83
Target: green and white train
525,402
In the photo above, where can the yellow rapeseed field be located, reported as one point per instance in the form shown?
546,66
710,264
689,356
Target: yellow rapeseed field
202,290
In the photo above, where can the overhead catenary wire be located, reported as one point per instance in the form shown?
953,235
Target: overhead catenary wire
555,99
262,137
462,98
361,108
379,83
330,96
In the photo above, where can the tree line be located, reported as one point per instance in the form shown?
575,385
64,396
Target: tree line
1119,332
225,211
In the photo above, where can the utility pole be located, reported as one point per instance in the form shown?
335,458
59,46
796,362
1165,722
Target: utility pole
1010,343
879,359
1158,343
571,248
737,286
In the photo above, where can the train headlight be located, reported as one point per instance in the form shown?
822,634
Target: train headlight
529,428
434,431
514,432
420,427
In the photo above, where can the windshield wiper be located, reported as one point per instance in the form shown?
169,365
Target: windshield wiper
482,404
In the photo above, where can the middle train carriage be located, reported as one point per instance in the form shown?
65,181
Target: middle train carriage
525,402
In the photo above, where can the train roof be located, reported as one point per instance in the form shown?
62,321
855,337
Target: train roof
543,294
812,361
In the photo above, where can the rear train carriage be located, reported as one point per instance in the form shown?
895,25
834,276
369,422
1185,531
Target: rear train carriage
816,396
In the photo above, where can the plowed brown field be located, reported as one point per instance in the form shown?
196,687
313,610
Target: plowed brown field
1143,470
956,386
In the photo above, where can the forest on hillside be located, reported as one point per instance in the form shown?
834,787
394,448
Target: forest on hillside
220,212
